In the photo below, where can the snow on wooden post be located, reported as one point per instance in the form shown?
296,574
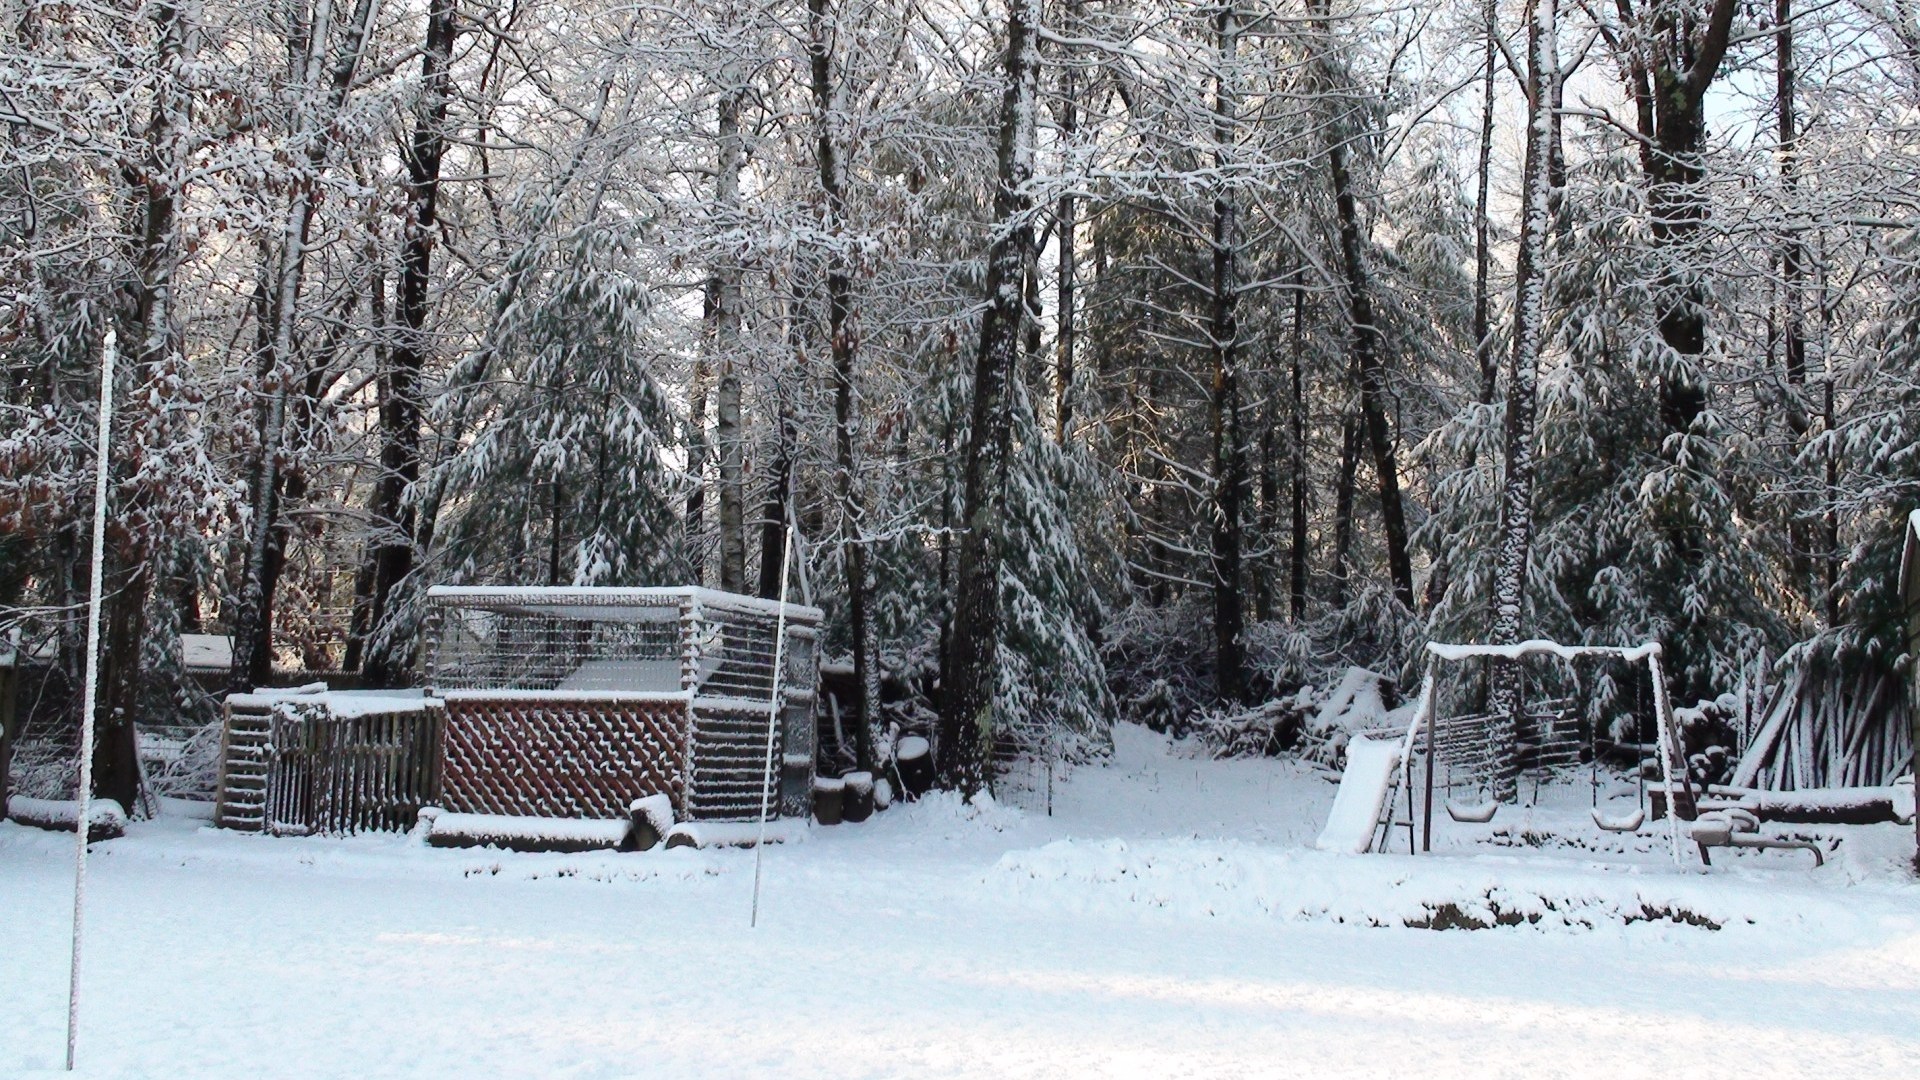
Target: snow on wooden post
90,696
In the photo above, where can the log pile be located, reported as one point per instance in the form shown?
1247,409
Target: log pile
1827,729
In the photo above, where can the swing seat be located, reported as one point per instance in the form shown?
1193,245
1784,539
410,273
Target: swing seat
1472,814
1623,824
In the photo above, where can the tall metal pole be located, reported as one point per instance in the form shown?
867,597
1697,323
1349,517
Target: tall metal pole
773,721
90,697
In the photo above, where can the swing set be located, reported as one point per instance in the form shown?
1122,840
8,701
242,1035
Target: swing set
1460,758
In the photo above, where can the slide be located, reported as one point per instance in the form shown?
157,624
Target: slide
1372,758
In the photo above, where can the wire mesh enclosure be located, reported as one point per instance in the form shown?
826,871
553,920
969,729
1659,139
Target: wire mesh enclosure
572,702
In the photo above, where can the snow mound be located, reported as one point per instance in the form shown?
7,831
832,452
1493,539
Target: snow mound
1225,880
946,813
1354,705
714,834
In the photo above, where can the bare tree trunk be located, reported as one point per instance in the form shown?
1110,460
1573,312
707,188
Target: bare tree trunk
1066,221
1677,60
1229,450
967,720
1367,360
778,511
1793,268
1350,437
253,619
694,521
844,341
726,327
399,385
1297,457
1482,226
1267,569
1529,332
148,323
1793,250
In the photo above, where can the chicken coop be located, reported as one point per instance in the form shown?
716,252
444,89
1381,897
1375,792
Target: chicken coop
566,703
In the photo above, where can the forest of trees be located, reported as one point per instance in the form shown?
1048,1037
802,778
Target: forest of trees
1108,358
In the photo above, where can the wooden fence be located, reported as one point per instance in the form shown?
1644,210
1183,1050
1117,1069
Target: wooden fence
292,767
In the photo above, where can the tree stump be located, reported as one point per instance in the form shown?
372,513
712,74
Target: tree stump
828,800
856,803
913,764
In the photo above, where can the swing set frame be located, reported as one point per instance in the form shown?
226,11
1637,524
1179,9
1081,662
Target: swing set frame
1420,730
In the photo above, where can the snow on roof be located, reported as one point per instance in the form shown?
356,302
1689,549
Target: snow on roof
206,652
601,598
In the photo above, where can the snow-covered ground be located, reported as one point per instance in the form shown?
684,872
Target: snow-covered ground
1167,920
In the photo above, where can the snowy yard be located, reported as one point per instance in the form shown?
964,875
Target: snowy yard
1167,920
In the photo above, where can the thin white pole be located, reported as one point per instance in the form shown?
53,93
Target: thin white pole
90,697
773,722
1663,730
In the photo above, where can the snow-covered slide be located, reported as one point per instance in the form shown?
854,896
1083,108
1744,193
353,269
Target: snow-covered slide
1372,760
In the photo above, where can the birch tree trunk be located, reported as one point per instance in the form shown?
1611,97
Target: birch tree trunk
1529,329
970,684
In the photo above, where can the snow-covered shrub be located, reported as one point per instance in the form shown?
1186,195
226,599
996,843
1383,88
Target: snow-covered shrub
1157,707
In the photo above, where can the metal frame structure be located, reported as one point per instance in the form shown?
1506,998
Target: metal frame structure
1423,724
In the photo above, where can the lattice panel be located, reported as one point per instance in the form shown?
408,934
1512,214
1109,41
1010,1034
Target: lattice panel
568,758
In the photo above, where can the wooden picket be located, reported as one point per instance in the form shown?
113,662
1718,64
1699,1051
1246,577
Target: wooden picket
296,768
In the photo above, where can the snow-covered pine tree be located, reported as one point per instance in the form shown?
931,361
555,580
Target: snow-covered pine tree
566,480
